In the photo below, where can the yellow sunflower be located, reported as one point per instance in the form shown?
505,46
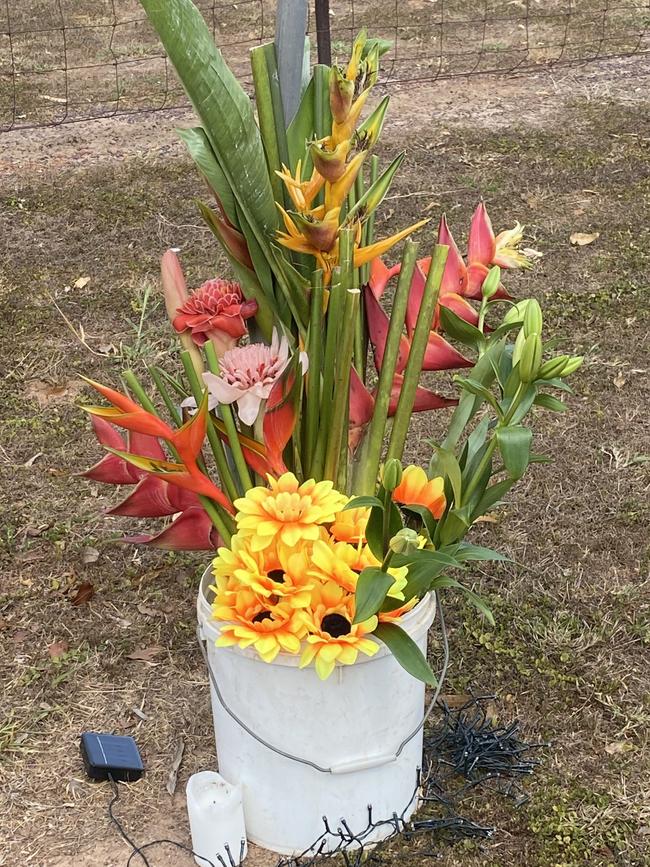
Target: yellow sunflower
276,575
253,621
333,637
287,512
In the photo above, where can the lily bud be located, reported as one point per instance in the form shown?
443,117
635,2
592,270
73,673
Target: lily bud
572,365
553,367
329,164
533,318
405,542
516,312
392,474
519,345
341,95
491,283
531,358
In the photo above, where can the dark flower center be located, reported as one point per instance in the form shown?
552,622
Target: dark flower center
277,575
263,615
336,625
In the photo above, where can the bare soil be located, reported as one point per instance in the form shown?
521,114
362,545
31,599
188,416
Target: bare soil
569,653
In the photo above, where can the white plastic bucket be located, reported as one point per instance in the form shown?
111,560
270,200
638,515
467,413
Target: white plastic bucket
353,723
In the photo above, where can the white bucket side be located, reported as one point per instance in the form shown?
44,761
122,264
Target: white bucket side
354,721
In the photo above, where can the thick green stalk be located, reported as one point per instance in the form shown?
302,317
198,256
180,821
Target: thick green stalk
315,354
213,437
229,423
341,399
170,403
266,119
369,226
368,464
333,331
416,354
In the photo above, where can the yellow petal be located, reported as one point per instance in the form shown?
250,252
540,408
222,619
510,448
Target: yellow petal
367,254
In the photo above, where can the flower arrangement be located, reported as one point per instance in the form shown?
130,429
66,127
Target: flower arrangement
287,424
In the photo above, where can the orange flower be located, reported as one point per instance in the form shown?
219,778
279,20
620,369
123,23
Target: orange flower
333,637
350,525
416,489
254,621
277,576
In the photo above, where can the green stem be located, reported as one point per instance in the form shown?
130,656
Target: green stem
229,423
172,406
266,119
343,361
417,351
369,225
213,437
385,524
333,331
225,530
314,353
368,465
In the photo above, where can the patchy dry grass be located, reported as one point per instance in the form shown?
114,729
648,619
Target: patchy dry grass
568,655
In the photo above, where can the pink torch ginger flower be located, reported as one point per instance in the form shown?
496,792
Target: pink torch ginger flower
248,374
217,311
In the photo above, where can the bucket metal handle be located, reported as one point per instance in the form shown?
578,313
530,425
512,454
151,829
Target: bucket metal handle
351,765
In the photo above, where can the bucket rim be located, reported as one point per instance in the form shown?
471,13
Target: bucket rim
415,622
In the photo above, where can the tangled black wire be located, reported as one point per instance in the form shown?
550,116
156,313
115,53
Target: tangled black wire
463,750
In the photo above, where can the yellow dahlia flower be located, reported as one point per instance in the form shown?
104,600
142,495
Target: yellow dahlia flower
287,512
334,638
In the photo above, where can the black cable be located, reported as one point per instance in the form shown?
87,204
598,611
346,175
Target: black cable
139,850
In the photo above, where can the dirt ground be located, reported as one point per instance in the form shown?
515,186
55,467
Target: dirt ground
85,212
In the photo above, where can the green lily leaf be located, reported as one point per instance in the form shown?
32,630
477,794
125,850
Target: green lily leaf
514,444
371,590
460,330
454,525
547,401
466,551
405,651
491,497
445,463
364,502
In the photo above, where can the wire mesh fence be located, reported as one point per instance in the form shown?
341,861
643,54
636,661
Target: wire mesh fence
68,60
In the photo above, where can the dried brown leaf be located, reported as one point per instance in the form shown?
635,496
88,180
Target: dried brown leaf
81,282
146,654
581,239
89,555
85,593
57,649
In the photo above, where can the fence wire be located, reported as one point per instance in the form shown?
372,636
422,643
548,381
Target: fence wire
68,60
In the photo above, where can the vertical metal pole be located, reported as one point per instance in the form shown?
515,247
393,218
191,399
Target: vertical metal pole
323,36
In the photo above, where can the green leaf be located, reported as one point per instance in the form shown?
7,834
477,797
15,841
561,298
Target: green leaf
479,390
428,521
371,590
547,401
491,497
220,101
301,130
374,195
444,463
525,403
200,149
454,525
559,383
405,651
425,556
460,330
514,444
466,551
364,502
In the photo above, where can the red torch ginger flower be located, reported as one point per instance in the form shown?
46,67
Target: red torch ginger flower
248,374
217,311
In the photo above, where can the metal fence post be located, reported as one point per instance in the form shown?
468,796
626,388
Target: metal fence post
323,35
